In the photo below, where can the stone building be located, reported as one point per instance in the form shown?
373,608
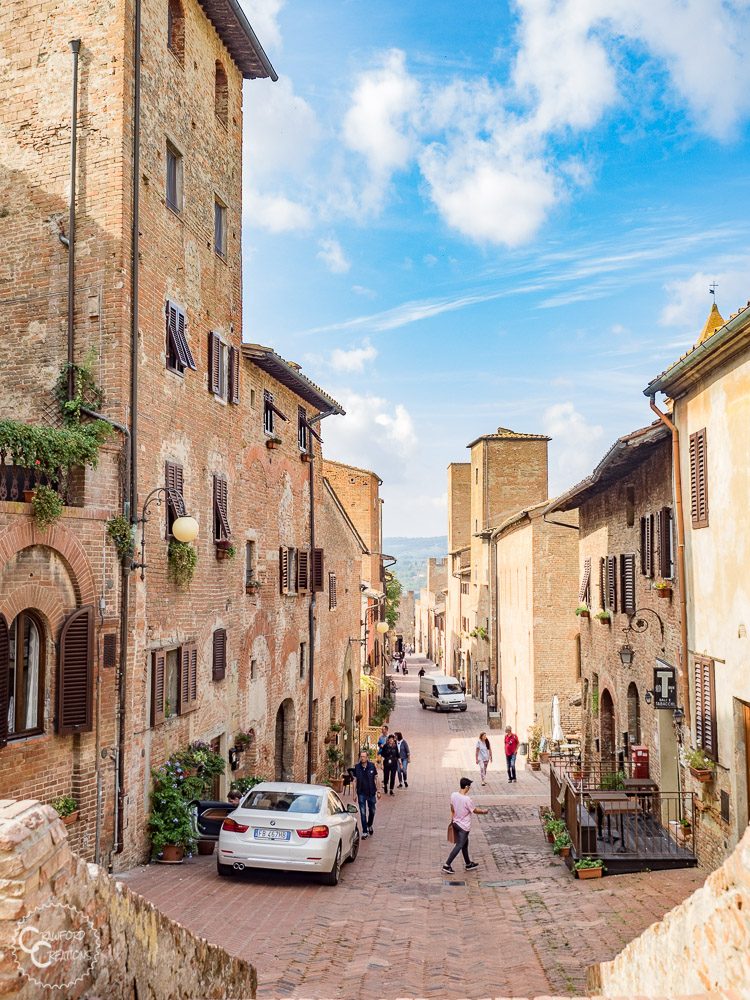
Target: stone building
429,614
405,623
536,566
710,427
104,671
626,517
459,570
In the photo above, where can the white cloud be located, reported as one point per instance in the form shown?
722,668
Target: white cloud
366,293
689,301
430,259
375,433
353,360
263,16
276,213
575,448
333,256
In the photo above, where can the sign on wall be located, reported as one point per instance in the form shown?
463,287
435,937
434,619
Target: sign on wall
665,685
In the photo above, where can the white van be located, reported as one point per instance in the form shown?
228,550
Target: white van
442,693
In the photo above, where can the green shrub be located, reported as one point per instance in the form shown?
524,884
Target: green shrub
119,530
183,559
588,863
64,805
46,505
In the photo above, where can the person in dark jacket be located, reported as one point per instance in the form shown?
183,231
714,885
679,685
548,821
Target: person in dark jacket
366,777
390,756
404,757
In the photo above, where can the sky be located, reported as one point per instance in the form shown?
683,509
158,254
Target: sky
459,216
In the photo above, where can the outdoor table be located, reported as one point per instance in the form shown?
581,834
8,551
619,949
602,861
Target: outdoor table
617,804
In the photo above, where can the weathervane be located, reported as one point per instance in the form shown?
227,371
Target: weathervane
712,289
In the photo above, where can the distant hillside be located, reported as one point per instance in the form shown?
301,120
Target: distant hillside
412,555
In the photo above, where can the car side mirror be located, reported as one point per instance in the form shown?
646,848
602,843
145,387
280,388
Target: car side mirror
351,808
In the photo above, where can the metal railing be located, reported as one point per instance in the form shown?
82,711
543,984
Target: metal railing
15,480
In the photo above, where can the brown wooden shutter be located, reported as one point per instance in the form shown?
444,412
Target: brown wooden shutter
173,479
75,673
698,678
705,707
220,654
214,363
158,686
303,570
332,592
283,569
317,570
584,596
602,587
4,679
221,508
234,375
664,533
188,678
699,479
648,545
183,348
627,582
612,583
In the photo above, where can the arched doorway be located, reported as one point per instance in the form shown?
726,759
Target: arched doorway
607,730
634,715
284,746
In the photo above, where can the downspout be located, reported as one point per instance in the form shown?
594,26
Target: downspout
75,46
680,520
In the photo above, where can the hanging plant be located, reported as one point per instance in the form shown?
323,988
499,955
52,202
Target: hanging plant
51,449
86,393
182,562
46,506
118,529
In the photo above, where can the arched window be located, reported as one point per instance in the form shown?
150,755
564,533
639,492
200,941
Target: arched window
176,29
634,715
25,675
221,95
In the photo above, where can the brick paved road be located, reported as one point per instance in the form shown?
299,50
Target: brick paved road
395,926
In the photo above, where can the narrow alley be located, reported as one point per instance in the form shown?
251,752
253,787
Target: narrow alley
396,926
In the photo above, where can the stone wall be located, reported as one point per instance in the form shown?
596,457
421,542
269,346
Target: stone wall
124,947
701,947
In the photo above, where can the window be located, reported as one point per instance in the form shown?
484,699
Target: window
251,567
288,570
268,412
219,668
223,369
647,545
303,436
476,476
666,543
253,669
179,356
584,593
699,479
464,588
331,591
252,398
173,480
174,178
174,682
302,659
176,29
220,228
221,95
627,583
221,509
22,676
705,707
602,582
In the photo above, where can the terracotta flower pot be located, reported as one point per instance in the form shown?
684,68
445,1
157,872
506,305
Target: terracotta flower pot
222,554
337,784
28,496
551,838
663,591
70,819
271,445
588,872
702,775
564,852
305,457
535,765
172,854
584,614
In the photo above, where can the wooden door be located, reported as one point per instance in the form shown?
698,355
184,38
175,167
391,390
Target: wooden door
746,719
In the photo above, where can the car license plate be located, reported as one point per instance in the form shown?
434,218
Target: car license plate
271,834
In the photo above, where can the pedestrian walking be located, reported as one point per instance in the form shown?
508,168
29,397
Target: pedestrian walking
421,672
462,685
483,754
390,764
382,740
404,759
462,809
366,777
511,749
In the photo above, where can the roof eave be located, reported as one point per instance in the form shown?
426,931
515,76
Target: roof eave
274,365
249,70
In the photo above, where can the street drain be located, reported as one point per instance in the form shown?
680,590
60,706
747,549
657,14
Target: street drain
446,882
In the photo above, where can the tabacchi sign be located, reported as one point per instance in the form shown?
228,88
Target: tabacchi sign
56,947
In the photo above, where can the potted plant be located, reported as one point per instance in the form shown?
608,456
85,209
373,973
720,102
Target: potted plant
535,741
305,456
562,844
225,550
243,740
120,532
555,828
604,617
480,632
336,727
67,808
701,766
335,761
583,611
46,506
588,868
663,588
252,586
684,830
183,559
169,822
273,442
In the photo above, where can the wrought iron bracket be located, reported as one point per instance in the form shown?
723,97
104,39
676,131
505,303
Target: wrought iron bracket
155,496
638,624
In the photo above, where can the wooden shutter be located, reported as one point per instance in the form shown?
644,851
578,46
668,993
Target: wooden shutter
75,673
705,707
627,583
214,363
188,678
584,595
158,686
699,479
4,678
332,592
647,545
220,654
176,333
173,478
234,375
284,569
221,508
109,650
612,583
602,586
664,535
303,570
317,570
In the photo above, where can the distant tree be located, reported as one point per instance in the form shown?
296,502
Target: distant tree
392,600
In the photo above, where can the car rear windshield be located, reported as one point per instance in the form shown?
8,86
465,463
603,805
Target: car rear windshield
294,802
449,689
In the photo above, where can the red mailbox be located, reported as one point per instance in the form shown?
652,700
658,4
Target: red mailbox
639,755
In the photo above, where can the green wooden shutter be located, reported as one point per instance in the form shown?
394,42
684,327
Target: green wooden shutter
75,673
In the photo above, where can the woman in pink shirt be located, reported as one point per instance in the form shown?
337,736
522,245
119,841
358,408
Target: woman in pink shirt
462,808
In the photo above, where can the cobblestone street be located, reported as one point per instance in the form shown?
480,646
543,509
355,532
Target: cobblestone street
396,926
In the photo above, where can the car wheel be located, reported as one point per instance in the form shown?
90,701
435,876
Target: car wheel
464,708
223,869
355,847
422,704
332,877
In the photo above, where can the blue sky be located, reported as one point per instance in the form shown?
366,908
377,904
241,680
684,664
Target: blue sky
459,216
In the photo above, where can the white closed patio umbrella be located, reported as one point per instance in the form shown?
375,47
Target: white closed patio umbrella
557,733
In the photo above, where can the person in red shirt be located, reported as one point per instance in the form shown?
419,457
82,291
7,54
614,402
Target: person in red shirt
511,749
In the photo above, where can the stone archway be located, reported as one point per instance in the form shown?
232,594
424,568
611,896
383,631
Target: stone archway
607,745
283,766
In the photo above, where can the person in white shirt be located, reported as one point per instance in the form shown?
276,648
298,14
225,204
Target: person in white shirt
483,755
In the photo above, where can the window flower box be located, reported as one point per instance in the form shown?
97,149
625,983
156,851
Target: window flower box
663,589
704,775
603,617
272,443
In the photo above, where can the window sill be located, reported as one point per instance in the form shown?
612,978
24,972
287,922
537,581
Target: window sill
34,734
174,210
176,372
221,256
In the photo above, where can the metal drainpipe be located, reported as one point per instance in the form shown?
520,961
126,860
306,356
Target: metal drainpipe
75,47
680,520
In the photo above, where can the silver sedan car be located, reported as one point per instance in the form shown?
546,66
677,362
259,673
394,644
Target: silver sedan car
289,827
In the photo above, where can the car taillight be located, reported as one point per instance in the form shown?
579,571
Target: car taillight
316,832
233,826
